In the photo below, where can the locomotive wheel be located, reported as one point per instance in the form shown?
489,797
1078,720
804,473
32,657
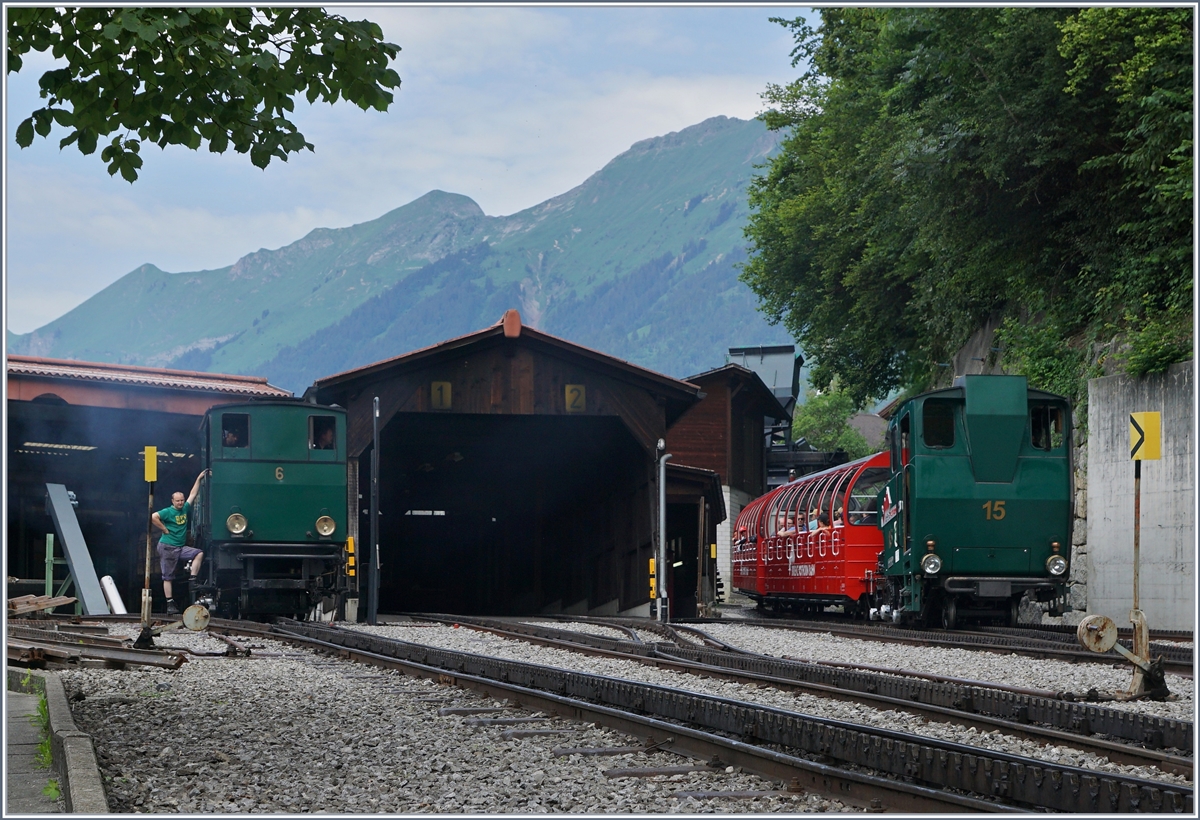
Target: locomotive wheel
1014,611
949,614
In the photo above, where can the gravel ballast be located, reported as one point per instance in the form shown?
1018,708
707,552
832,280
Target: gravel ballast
467,640
1008,669
286,730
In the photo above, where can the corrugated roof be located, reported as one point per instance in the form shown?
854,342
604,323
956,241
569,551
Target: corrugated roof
127,374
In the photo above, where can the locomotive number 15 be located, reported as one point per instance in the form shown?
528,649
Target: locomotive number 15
994,510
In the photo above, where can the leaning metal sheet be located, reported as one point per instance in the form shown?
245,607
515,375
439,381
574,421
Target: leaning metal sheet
87,585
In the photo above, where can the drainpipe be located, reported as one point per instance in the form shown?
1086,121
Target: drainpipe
664,601
373,565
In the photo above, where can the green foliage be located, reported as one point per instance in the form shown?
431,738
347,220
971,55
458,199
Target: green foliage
1035,349
823,420
945,165
175,76
51,789
1159,341
44,754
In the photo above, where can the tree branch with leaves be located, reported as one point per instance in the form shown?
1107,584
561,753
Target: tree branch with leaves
172,76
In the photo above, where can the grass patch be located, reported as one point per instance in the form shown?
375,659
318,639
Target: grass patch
44,756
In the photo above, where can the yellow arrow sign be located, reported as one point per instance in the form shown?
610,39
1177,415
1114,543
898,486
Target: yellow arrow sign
1145,436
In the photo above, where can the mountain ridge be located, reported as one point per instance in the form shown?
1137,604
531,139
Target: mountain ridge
613,263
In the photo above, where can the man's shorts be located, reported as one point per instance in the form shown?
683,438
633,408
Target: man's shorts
168,557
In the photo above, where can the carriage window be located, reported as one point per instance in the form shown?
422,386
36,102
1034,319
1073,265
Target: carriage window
235,430
864,496
322,432
1046,426
938,423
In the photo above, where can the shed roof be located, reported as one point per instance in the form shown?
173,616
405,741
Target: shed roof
125,374
771,405
678,394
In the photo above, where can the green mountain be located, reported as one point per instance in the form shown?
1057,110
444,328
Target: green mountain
639,261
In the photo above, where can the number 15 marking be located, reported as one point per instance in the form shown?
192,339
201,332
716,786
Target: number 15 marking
994,510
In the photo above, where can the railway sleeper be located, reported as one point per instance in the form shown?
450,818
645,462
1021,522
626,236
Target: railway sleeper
901,755
1152,731
1057,713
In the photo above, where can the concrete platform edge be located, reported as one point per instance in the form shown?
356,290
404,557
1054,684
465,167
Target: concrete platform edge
74,755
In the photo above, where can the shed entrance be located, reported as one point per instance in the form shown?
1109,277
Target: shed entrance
555,441
509,514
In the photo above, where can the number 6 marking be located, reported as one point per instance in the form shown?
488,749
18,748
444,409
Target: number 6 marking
279,473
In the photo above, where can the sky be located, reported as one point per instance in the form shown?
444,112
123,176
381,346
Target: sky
507,105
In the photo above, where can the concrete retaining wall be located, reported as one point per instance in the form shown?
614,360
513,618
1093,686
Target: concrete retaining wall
1168,534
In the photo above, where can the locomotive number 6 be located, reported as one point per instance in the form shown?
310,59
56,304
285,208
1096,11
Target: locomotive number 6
994,510
279,475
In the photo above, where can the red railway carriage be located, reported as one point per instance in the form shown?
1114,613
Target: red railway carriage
815,541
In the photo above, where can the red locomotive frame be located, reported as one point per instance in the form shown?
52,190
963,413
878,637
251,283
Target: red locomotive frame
781,559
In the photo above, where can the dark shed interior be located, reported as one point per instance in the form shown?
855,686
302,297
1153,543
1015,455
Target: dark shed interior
97,453
516,473
503,514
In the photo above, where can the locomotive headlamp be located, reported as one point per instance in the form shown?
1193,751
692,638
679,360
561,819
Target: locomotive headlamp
1056,565
326,525
236,523
931,563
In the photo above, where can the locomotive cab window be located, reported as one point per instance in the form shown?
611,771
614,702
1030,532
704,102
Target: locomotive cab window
937,423
322,433
1046,426
235,430
898,441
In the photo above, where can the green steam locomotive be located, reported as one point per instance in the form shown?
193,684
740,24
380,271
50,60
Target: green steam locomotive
978,508
272,517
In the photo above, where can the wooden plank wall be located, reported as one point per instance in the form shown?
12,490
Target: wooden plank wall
700,438
509,378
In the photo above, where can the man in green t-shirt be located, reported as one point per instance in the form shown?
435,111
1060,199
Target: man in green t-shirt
172,545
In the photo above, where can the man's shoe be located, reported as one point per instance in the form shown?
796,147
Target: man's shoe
171,608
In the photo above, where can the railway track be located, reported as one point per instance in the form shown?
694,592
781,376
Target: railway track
1176,660
918,773
1041,717
859,765
1179,656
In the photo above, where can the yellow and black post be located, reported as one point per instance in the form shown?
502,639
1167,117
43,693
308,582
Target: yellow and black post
1145,444
145,639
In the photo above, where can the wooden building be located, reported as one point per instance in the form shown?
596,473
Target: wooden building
724,433
85,425
517,472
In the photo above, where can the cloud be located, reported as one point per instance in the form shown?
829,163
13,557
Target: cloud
449,43
111,233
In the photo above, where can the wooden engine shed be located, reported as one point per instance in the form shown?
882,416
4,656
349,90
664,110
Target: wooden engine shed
516,472
84,425
724,433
